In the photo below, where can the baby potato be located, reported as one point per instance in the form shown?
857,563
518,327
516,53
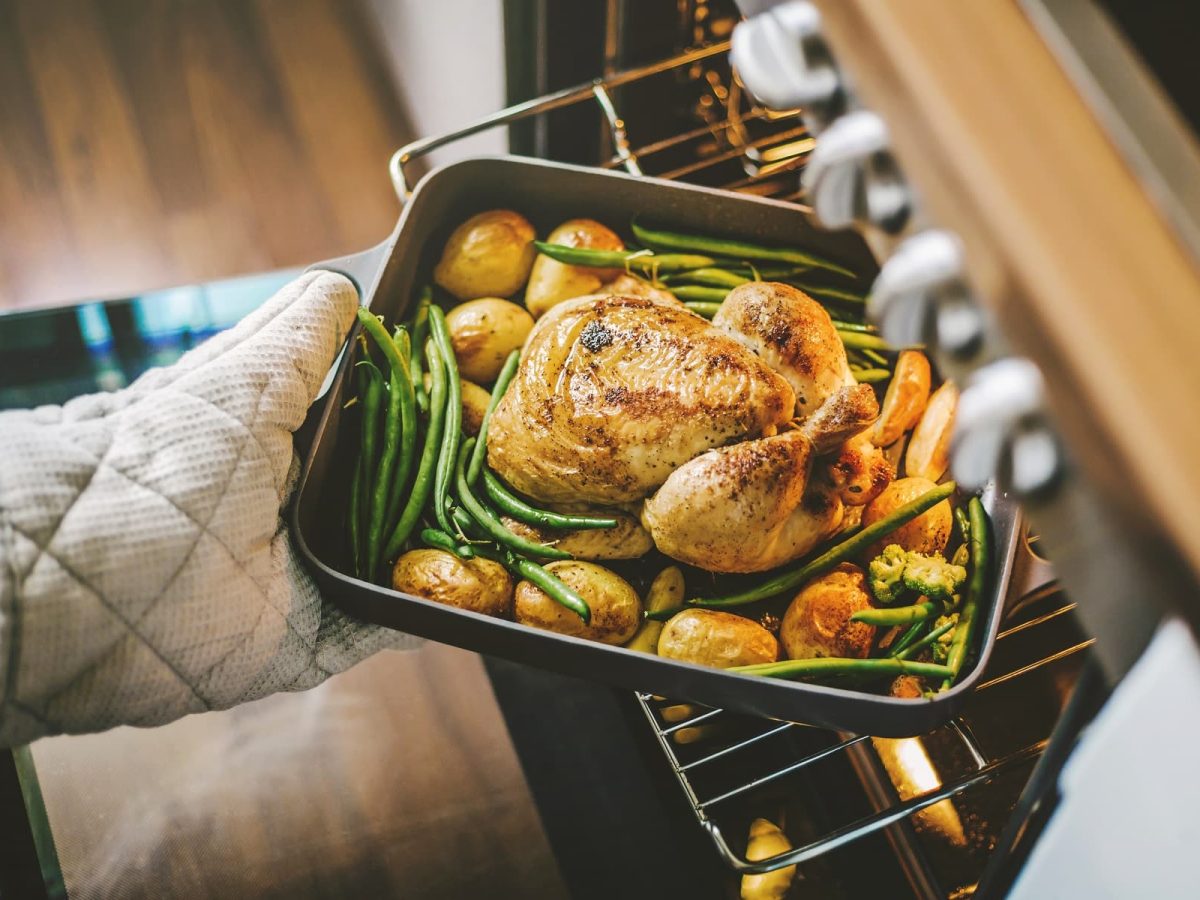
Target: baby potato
489,255
483,333
928,452
475,402
905,399
616,609
479,585
927,533
628,540
714,638
551,282
817,622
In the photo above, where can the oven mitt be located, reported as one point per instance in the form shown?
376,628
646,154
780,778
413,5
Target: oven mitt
145,568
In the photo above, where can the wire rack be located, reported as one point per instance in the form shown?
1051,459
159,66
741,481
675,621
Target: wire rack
730,766
725,763
736,144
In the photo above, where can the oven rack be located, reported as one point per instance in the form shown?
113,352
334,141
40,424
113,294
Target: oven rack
668,726
742,146
768,164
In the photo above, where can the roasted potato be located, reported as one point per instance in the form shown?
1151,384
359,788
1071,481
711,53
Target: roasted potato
817,622
927,533
489,255
666,592
475,402
905,399
628,540
928,452
616,609
551,282
483,333
767,840
479,585
714,638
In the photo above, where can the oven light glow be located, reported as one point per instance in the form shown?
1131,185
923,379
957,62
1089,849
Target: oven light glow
913,774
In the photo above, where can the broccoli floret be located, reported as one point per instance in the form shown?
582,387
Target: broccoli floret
933,576
887,573
940,648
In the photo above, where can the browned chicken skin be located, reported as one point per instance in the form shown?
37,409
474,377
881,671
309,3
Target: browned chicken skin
744,508
622,398
614,393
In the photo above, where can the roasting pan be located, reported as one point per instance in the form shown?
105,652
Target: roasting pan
548,193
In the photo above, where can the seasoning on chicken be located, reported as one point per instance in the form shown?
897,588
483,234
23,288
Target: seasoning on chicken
614,393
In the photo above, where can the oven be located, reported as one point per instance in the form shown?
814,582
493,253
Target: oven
662,793
955,812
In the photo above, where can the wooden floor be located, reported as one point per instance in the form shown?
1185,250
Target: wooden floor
147,143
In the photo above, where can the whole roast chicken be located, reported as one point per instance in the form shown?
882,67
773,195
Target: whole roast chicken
714,429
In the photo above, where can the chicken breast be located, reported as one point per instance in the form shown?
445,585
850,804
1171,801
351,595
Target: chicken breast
744,508
615,393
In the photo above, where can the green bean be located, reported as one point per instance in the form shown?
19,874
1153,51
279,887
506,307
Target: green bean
876,357
442,541
830,295
710,277
836,554
980,564
771,273
419,331
708,310
833,665
925,641
356,483
502,382
375,330
667,240
853,340
488,520
386,498
963,523
402,383
452,435
371,407
872,376
897,615
518,509
906,639
423,482
554,587
852,326
641,261
353,515
380,489
700,293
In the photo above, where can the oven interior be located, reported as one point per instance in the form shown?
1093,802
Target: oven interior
928,817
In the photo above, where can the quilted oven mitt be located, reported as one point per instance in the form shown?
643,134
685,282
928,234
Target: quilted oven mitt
145,569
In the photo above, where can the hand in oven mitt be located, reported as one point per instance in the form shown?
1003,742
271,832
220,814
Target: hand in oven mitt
145,569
